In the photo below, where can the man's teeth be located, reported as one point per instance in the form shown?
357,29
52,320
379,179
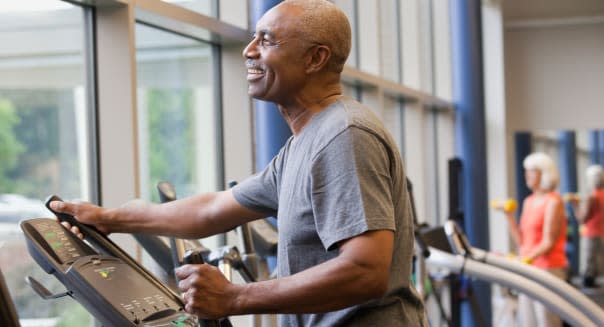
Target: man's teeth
254,71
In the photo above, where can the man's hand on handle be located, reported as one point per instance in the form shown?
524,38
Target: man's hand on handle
84,212
206,292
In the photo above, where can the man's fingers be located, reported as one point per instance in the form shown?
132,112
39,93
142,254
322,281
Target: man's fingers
75,230
183,272
189,308
184,284
56,205
61,206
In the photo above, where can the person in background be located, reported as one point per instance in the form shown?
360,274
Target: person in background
591,214
337,188
541,234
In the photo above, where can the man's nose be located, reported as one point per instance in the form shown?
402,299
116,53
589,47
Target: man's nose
251,50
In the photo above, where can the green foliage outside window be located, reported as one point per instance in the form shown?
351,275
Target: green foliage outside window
171,138
38,143
10,147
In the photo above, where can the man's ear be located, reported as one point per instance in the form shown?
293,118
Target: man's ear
318,57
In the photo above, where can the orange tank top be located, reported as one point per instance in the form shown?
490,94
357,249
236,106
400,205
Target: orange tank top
594,226
531,229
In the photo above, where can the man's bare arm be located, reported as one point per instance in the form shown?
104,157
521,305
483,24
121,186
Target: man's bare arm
193,217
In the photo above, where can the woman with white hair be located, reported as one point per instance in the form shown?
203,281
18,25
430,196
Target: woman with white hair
591,214
541,234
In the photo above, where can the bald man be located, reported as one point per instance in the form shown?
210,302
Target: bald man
337,188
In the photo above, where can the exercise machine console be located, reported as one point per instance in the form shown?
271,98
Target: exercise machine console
111,285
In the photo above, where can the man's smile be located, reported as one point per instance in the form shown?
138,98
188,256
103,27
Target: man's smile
254,73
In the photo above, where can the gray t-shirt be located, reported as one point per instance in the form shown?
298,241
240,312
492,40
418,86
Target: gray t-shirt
340,177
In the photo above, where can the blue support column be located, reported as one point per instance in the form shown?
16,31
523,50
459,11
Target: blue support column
271,130
594,148
601,147
470,136
523,146
568,183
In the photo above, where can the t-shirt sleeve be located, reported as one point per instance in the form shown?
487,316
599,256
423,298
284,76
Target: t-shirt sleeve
351,187
259,192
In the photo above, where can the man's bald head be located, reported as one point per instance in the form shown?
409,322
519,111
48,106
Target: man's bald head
323,22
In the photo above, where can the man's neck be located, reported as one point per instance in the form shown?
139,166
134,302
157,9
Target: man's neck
299,114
